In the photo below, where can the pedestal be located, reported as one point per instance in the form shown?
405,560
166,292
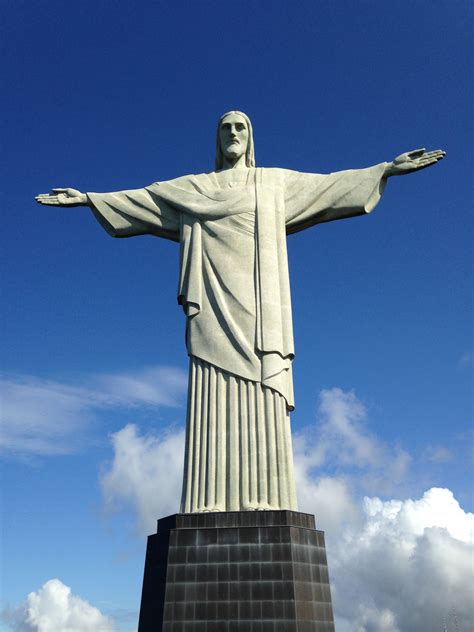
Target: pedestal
253,571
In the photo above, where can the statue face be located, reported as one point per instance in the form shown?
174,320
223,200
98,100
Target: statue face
233,136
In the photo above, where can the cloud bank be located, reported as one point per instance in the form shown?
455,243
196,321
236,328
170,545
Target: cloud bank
406,567
55,608
396,565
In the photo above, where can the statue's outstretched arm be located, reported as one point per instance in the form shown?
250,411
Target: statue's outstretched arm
123,213
413,161
63,197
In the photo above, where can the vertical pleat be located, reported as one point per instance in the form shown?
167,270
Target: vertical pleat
244,446
272,463
186,497
290,470
262,451
252,446
233,499
238,445
211,441
281,454
197,438
222,441
203,443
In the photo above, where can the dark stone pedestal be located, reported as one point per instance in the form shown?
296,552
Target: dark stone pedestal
253,571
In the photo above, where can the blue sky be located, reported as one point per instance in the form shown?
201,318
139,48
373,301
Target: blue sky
104,96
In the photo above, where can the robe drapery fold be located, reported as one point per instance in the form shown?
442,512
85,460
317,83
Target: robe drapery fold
238,445
231,237
235,291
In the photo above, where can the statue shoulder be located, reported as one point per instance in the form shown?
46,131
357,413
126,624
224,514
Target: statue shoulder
187,182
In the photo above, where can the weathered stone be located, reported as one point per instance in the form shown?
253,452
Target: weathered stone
234,287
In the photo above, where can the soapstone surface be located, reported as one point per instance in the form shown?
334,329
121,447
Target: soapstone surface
234,288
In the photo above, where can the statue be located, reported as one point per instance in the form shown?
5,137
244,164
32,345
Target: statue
231,225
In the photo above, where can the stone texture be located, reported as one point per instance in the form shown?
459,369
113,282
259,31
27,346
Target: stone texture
234,288
236,571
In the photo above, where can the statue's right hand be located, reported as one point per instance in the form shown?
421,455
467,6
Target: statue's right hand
62,197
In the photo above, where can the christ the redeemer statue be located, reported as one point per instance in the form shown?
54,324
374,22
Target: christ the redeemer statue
231,225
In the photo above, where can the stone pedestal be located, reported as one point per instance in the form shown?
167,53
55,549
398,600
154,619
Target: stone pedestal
254,571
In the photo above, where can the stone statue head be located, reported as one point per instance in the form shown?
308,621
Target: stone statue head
249,152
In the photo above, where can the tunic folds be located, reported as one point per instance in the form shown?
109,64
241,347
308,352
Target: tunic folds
238,439
234,289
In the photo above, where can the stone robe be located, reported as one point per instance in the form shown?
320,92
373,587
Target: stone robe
235,292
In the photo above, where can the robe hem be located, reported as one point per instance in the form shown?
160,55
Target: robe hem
290,407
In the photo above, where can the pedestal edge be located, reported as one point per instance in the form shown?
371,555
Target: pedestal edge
234,519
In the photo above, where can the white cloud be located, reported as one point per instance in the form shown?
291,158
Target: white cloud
437,508
406,566
153,386
341,441
329,498
145,475
47,417
396,565
343,434
55,608
38,416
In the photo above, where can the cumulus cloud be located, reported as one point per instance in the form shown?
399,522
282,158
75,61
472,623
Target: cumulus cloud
406,567
145,475
46,417
329,498
54,607
343,436
396,565
342,442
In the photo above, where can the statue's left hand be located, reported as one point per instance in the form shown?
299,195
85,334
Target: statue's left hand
413,161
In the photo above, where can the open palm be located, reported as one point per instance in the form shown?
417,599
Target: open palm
62,197
414,161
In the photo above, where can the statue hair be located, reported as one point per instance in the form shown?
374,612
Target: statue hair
249,154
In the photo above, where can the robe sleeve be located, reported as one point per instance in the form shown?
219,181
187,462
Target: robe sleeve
136,212
312,198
